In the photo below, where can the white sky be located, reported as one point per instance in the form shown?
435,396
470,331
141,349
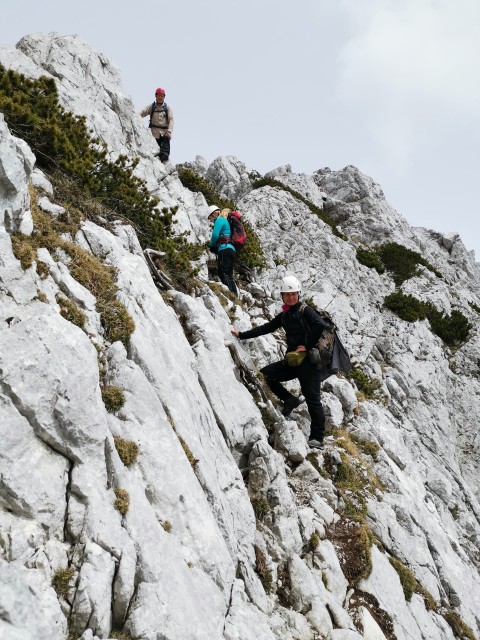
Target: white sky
391,86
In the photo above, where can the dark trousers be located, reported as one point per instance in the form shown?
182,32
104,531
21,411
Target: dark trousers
309,376
226,259
164,144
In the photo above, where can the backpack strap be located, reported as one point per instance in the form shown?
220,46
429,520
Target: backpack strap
152,111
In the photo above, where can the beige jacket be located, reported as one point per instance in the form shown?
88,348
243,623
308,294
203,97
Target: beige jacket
160,123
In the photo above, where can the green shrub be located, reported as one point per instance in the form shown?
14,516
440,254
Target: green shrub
127,450
348,477
70,311
61,581
42,269
320,213
370,259
410,584
405,306
400,262
452,329
368,386
122,500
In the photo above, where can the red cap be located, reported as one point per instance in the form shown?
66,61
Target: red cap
160,90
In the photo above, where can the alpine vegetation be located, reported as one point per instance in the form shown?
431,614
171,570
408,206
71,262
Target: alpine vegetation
154,484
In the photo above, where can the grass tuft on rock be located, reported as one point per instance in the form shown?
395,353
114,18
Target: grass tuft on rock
122,500
314,541
61,581
127,450
70,311
113,398
458,626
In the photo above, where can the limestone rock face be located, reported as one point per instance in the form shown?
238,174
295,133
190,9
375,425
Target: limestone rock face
225,525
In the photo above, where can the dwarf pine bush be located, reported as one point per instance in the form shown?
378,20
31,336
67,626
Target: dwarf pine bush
370,259
452,329
400,262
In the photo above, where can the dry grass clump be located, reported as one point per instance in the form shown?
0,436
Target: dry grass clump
458,626
113,398
86,268
410,584
122,500
314,541
353,541
61,581
22,250
70,311
128,450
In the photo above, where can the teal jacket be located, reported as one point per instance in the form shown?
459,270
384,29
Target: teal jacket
221,228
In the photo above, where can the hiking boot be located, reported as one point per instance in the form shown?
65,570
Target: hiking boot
316,444
289,405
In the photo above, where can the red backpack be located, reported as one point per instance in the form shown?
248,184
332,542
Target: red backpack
238,236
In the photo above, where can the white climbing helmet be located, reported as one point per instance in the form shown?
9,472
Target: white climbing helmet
212,208
290,284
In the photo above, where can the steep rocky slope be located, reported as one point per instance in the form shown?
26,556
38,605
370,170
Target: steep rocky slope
232,530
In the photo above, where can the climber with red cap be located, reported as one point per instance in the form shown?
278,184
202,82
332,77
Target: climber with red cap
161,123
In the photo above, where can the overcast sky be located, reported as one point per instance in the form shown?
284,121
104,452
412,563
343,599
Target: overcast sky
390,86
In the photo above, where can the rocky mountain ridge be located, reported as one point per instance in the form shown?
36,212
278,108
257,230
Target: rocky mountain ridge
229,527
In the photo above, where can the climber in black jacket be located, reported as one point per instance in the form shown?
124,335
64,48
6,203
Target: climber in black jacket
296,363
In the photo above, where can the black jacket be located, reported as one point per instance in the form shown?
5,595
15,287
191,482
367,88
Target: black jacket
294,328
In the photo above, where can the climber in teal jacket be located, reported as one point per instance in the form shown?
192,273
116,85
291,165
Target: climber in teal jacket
220,245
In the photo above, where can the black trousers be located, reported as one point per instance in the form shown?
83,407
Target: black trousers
226,259
309,376
164,144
